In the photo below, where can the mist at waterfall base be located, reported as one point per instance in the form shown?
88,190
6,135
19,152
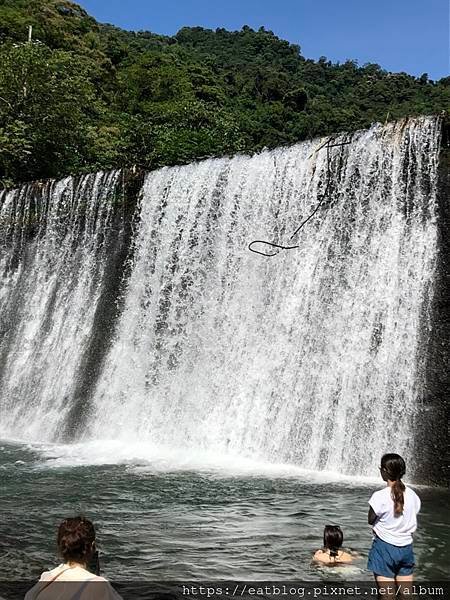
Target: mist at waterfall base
211,410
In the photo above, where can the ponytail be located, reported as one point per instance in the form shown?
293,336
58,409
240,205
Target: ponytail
393,468
397,496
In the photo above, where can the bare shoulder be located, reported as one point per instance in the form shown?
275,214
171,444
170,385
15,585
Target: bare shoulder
321,556
345,557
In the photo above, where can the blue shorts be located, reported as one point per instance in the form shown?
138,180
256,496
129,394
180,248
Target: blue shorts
389,560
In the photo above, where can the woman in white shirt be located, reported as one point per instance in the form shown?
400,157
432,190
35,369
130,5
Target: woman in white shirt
393,516
72,580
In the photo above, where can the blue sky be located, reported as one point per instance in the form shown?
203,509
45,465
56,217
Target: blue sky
400,35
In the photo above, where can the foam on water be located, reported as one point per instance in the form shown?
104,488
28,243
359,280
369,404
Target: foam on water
146,459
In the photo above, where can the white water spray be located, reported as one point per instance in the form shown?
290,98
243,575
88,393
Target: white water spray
314,357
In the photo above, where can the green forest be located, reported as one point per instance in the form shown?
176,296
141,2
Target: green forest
83,96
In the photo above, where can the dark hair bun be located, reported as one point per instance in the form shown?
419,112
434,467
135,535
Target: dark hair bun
75,538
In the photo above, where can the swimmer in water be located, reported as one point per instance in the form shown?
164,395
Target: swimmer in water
332,553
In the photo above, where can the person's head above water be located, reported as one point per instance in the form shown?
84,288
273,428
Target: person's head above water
332,539
76,540
392,469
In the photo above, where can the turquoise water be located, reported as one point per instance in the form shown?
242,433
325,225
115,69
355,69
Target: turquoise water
156,524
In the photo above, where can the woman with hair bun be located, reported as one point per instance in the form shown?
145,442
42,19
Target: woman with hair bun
393,516
72,578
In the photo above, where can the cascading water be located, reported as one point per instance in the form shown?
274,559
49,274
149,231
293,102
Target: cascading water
313,357
54,242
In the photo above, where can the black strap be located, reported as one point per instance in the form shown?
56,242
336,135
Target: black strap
50,582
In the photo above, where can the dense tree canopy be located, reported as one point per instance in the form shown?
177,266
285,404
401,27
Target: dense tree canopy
84,96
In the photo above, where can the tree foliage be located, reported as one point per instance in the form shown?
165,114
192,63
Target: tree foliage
84,96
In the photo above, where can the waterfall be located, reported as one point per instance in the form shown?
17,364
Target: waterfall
54,240
313,357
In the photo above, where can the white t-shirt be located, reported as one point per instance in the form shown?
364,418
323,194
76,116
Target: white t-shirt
391,529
